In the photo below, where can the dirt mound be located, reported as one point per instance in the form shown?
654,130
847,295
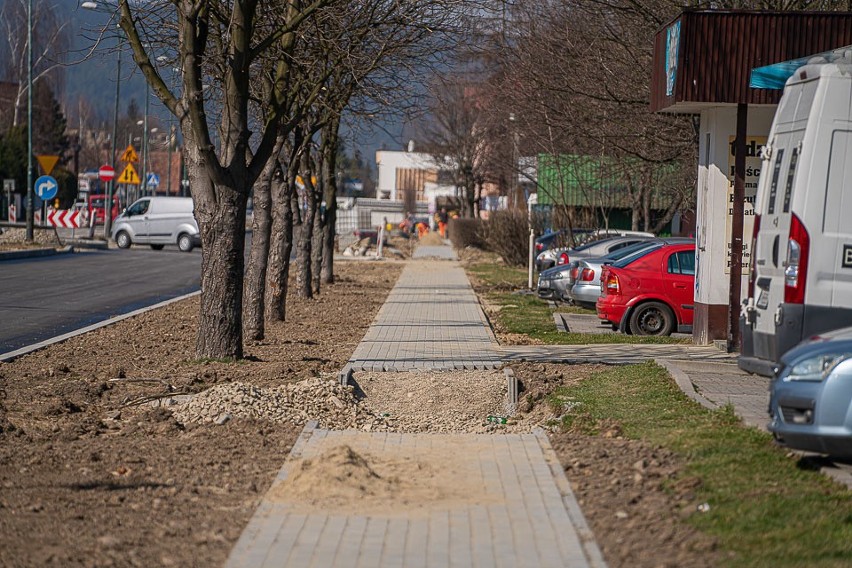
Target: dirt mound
431,239
343,479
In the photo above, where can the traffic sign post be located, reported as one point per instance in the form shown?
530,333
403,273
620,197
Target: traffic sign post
66,218
129,175
130,155
106,173
47,163
46,187
152,180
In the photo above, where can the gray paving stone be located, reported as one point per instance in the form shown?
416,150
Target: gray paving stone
523,523
431,320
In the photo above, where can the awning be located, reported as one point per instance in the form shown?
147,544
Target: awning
775,76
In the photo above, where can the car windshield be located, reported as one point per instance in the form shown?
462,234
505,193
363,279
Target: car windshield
590,244
637,254
629,250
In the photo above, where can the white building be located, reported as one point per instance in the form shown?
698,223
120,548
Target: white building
417,172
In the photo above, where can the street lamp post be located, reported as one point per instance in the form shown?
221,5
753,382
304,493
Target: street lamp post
30,189
111,184
143,180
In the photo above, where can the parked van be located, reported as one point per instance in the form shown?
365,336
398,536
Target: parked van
158,221
801,281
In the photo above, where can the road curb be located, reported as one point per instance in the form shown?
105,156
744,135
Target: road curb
34,253
685,383
11,355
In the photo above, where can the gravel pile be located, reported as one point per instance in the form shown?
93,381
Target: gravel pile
456,401
15,235
320,399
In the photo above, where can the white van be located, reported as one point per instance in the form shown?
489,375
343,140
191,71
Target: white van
157,221
801,283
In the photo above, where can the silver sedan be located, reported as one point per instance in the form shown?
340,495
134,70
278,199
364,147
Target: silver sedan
810,401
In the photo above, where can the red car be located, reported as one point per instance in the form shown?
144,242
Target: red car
650,295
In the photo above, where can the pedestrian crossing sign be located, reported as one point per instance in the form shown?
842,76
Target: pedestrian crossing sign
129,175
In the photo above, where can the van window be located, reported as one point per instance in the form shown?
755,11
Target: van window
682,262
138,208
806,100
791,175
838,205
776,172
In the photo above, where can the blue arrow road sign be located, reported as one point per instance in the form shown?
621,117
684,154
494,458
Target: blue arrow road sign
153,180
46,187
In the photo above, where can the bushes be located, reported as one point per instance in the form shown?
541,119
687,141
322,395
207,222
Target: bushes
507,234
465,233
504,232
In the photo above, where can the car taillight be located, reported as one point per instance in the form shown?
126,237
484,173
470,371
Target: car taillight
796,267
588,275
563,258
752,251
612,286
574,272
539,247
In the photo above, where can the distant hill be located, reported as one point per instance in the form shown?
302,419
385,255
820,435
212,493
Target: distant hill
93,80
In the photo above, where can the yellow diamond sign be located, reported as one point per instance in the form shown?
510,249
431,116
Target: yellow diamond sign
129,175
130,156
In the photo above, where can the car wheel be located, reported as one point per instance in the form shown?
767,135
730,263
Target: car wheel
184,242
157,247
652,318
122,239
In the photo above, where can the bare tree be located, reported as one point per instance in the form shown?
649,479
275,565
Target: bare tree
50,44
219,45
454,135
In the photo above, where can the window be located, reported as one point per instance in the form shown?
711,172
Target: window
682,262
776,172
138,208
791,174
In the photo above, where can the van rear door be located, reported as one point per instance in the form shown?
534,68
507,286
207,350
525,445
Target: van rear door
777,185
771,246
833,264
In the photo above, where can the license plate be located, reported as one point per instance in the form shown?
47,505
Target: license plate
763,299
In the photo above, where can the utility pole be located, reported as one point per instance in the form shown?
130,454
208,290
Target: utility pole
111,184
30,189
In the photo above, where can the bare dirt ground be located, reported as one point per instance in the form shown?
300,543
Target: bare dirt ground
97,468
89,477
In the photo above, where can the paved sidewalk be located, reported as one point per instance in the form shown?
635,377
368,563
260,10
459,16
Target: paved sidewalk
524,517
431,321
519,511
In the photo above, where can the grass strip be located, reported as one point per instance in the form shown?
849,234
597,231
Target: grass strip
765,507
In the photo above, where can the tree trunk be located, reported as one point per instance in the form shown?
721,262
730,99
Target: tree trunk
303,276
220,211
317,247
223,233
330,191
255,283
278,270
318,226
329,234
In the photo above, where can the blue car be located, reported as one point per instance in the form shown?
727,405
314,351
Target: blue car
810,403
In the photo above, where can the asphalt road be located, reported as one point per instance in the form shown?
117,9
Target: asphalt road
41,298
